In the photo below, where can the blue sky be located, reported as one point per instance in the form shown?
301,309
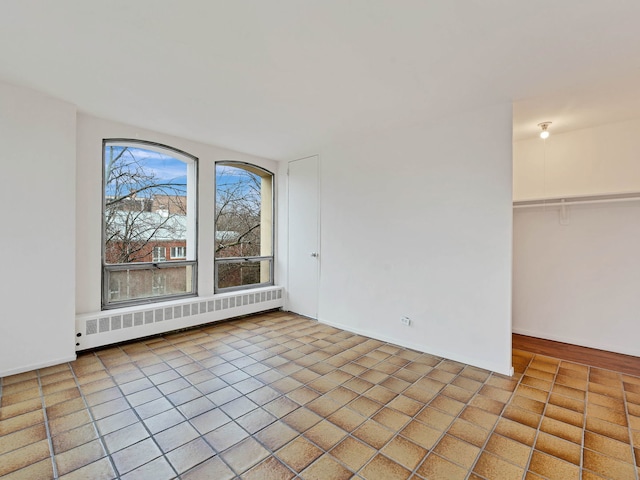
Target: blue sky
165,168
171,170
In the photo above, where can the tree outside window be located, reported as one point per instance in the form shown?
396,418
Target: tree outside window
244,226
149,207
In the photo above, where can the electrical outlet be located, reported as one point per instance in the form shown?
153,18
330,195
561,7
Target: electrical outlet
406,321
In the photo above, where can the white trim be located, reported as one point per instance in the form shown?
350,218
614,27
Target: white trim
577,341
130,323
494,367
36,366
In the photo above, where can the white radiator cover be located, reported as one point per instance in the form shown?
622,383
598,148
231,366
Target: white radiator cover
123,324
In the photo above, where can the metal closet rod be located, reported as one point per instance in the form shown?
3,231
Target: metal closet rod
584,199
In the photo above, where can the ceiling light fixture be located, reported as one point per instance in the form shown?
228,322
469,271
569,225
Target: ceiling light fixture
544,134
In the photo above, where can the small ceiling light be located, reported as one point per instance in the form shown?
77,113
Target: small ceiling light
544,134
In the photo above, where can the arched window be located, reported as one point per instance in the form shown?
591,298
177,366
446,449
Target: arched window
243,226
149,223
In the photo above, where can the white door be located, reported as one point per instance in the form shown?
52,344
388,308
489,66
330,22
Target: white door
304,254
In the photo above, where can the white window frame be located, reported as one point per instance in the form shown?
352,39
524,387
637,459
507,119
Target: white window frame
269,257
159,254
191,236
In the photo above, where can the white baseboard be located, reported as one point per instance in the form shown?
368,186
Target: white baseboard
494,367
36,366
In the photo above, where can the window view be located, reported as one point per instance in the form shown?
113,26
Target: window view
244,226
149,222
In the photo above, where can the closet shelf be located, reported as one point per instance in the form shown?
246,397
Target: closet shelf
574,200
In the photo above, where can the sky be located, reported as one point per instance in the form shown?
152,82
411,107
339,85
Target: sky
165,168
172,170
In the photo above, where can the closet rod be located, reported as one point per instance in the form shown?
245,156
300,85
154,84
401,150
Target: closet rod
560,201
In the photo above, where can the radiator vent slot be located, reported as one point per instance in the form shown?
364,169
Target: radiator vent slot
104,324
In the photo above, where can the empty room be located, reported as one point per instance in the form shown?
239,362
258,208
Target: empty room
320,239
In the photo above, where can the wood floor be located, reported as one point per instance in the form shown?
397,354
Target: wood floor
574,353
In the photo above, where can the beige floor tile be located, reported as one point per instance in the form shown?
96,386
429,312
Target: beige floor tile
298,454
269,469
325,434
553,468
404,452
219,400
437,468
42,469
79,457
421,434
457,451
98,470
244,455
607,466
353,453
323,468
22,438
22,457
559,448
373,433
491,466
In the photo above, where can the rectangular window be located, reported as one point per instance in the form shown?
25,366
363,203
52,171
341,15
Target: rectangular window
149,199
244,226
159,254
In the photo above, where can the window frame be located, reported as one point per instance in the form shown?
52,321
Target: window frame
257,258
192,199
158,258
173,250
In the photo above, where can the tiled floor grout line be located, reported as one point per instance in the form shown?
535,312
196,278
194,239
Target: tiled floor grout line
629,429
54,466
93,420
542,415
234,420
203,437
491,432
427,405
219,453
584,421
350,434
173,351
397,433
141,421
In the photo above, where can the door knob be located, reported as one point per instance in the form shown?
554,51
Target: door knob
314,254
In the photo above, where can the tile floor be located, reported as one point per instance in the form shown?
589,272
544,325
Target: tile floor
279,396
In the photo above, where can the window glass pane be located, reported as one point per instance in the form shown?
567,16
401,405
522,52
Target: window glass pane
146,204
237,274
178,252
241,223
244,225
126,285
149,220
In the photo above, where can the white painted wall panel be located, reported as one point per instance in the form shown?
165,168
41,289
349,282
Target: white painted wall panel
591,161
579,283
37,139
417,222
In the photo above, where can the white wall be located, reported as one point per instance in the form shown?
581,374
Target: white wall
37,135
91,131
598,160
417,222
579,283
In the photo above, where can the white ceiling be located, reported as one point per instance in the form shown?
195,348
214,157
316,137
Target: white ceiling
280,78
